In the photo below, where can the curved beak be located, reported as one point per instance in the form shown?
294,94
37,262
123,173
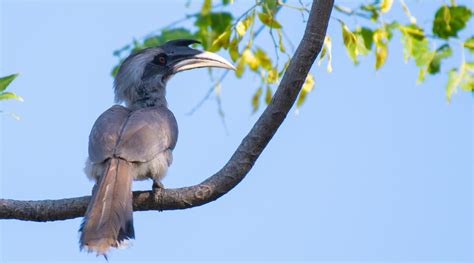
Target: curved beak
199,59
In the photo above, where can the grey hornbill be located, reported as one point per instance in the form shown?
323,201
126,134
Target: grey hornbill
135,141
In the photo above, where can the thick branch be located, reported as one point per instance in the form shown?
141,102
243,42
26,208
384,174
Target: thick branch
236,168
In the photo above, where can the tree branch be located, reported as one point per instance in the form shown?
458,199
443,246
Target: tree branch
236,168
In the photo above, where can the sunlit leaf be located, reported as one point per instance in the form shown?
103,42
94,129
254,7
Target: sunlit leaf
240,68
249,58
354,43
449,20
469,44
349,40
381,50
454,79
268,20
256,99
322,54
415,45
221,41
463,77
412,30
234,49
307,87
211,26
441,53
386,5
326,51
10,95
268,95
272,76
327,43
422,53
5,81
263,59
244,24
206,7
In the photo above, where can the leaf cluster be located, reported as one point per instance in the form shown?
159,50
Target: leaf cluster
427,51
8,95
219,30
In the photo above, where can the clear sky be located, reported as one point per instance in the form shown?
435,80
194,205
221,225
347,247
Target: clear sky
373,168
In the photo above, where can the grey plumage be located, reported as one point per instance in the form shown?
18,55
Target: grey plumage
135,141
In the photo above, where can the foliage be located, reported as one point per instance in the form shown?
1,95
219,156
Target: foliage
219,29
427,51
7,95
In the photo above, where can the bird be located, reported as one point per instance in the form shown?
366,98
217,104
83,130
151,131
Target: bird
134,139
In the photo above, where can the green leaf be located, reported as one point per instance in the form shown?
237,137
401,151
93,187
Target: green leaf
414,41
307,87
263,59
206,7
240,68
272,76
268,95
327,50
386,5
367,34
422,53
152,41
115,70
469,44
256,99
441,53
244,24
164,36
354,43
464,77
234,49
269,6
449,20
9,95
211,26
5,81
349,40
454,79
221,41
250,59
381,50
269,20
175,33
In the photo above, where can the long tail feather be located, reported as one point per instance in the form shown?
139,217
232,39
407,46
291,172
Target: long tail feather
109,217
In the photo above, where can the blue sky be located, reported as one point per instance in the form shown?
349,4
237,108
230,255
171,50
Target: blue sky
373,168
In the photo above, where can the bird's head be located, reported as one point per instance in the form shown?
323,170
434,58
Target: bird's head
148,70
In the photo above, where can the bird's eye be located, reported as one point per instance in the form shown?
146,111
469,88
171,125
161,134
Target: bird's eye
160,59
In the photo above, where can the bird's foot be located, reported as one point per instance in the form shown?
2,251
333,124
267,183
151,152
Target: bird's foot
157,185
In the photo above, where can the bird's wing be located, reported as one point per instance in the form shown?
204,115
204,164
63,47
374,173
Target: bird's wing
106,133
147,132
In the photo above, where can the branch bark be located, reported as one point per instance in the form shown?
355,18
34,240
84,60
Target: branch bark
236,168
